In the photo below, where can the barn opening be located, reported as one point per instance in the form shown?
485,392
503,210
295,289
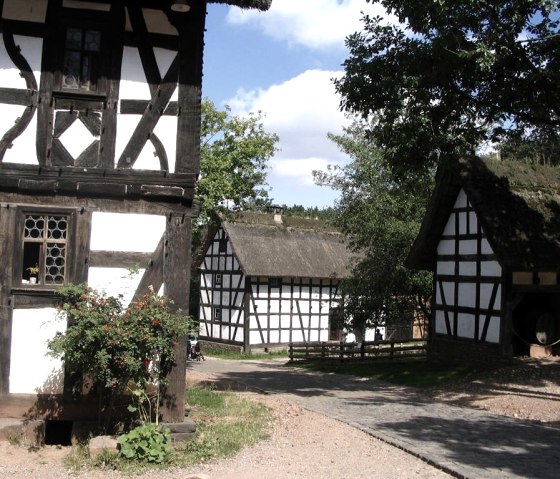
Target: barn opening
58,433
536,321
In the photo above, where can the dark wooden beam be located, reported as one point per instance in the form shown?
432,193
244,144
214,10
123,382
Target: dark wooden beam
176,277
191,34
150,118
153,275
119,259
138,107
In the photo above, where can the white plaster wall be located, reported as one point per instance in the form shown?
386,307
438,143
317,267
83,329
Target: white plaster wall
115,281
440,327
493,333
490,268
465,325
445,267
23,148
467,268
134,87
126,232
467,247
446,247
467,295
122,232
31,370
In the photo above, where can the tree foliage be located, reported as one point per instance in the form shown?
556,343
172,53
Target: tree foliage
380,216
453,75
233,160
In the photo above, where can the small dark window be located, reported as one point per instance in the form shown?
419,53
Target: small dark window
217,314
44,248
217,279
80,70
275,282
222,246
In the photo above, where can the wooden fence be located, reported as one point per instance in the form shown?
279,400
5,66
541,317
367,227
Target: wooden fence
367,351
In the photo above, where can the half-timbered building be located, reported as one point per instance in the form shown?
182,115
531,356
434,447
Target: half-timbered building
492,236
267,280
99,154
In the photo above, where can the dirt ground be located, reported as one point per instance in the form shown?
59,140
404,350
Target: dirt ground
304,444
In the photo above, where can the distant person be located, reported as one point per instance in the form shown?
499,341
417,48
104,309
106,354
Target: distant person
378,335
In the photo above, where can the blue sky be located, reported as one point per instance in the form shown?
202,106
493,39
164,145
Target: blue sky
282,62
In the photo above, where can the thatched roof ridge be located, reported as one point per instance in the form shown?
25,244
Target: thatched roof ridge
257,4
517,204
297,247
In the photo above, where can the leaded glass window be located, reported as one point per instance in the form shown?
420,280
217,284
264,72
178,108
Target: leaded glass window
81,59
44,248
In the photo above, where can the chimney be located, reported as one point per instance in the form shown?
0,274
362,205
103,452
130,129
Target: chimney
276,210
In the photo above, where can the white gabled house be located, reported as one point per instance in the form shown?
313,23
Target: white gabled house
268,280
492,237
99,155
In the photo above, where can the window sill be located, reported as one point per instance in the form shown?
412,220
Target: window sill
38,289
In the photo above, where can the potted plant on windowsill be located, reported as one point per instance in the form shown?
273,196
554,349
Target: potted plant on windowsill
33,274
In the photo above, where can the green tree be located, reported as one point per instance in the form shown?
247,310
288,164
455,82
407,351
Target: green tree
454,75
233,160
380,217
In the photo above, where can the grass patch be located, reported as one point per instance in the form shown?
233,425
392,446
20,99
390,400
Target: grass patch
418,374
226,423
247,356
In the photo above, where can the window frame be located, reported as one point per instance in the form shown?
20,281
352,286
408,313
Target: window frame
94,59
83,20
19,256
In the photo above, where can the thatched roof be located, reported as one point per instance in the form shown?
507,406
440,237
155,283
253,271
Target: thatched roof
297,247
258,4
517,204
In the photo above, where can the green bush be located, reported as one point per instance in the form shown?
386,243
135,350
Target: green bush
147,443
115,345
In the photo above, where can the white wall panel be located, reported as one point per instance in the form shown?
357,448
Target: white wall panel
446,247
493,333
467,268
445,267
490,268
126,232
465,325
462,200
115,281
31,370
440,323
467,247
467,294
486,294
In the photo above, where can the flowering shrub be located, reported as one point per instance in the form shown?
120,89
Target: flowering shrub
117,345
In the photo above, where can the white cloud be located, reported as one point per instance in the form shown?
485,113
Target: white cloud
317,24
301,111
300,169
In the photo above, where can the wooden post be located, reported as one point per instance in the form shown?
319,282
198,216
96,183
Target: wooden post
176,280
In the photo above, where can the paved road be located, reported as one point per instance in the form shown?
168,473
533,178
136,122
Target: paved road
463,442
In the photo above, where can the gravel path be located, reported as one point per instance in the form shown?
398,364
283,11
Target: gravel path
304,444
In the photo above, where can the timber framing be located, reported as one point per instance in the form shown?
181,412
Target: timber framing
252,294
491,235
